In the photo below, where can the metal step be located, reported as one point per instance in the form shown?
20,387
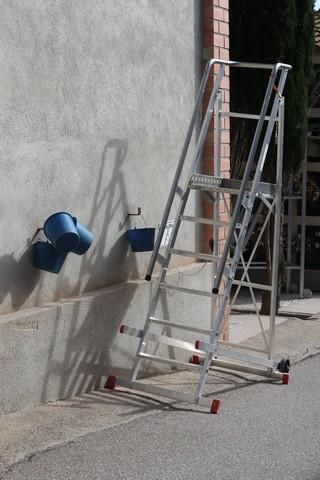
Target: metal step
227,185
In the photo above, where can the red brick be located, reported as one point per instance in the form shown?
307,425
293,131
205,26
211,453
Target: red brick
225,107
226,42
226,123
225,164
218,40
226,16
224,217
223,54
223,28
219,13
226,96
224,4
225,84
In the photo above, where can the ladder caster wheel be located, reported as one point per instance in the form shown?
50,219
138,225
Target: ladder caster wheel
195,359
284,365
111,382
215,406
215,290
285,378
148,278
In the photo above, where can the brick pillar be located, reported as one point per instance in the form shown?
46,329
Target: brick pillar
215,44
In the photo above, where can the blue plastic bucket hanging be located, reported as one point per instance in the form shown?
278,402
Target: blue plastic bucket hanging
60,229
46,257
141,239
86,238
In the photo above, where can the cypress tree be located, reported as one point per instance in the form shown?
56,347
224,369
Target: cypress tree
269,32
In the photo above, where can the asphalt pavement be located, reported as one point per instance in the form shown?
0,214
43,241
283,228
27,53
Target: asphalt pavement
265,431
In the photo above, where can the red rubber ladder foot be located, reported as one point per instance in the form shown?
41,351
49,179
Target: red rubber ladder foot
122,328
111,382
215,406
285,378
195,359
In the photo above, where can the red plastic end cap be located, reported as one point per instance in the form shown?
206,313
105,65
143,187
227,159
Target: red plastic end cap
215,406
111,382
285,378
122,327
197,344
195,359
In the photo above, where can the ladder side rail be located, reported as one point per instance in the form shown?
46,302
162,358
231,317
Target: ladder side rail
246,176
289,232
180,166
183,201
277,228
216,208
197,155
217,173
268,134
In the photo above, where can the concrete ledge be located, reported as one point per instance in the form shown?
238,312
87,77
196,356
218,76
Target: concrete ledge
66,348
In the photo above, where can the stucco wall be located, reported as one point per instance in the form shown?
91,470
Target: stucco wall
95,102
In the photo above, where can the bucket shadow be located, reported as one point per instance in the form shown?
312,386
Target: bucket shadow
20,280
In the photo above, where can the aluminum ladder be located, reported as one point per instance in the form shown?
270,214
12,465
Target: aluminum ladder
213,352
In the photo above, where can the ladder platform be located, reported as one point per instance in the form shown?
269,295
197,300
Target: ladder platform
199,181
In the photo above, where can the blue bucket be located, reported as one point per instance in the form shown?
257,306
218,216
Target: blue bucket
60,229
141,239
86,238
45,257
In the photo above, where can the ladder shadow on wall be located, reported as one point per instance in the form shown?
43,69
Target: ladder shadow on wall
88,354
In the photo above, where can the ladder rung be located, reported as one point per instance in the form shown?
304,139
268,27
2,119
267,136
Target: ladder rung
249,116
170,361
228,352
206,221
202,293
171,342
163,339
168,323
134,332
201,256
258,286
